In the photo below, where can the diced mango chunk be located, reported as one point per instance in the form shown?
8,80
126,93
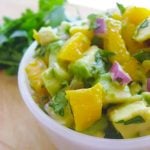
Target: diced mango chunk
115,43
34,71
86,106
136,15
127,34
123,118
132,67
74,47
132,17
83,29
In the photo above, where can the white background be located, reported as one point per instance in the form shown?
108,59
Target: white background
105,4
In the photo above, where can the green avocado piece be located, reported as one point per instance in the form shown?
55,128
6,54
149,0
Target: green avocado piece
127,111
114,92
98,129
131,120
87,66
142,32
146,96
66,120
53,78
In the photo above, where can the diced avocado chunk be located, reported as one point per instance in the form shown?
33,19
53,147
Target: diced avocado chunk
127,111
131,119
66,119
135,88
114,92
64,27
142,32
145,131
98,129
76,83
146,96
87,67
45,35
54,47
133,130
63,30
53,78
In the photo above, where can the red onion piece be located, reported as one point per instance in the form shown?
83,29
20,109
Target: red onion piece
118,74
148,84
101,26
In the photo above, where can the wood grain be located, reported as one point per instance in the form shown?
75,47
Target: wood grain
18,128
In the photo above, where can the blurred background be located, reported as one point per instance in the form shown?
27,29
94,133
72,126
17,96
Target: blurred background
7,5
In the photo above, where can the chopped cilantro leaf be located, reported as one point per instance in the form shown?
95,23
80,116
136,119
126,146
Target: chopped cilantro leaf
137,119
16,34
121,8
59,102
142,55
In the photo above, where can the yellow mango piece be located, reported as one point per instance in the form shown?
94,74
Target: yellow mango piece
86,106
131,18
34,71
127,34
83,29
114,42
132,67
136,15
74,47
116,16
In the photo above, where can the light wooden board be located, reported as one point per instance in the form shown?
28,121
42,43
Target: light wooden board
18,128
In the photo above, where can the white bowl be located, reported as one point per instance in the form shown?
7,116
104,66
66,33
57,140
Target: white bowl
65,138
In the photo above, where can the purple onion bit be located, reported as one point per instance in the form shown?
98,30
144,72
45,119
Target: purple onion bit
118,74
100,27
148,84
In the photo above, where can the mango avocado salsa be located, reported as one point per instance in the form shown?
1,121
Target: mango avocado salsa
93,75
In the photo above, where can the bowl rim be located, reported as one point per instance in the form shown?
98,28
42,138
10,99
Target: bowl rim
63,131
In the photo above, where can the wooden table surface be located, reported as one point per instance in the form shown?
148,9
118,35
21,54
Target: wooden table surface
18,128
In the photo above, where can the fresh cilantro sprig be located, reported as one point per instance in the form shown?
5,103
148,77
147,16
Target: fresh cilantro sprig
16,34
